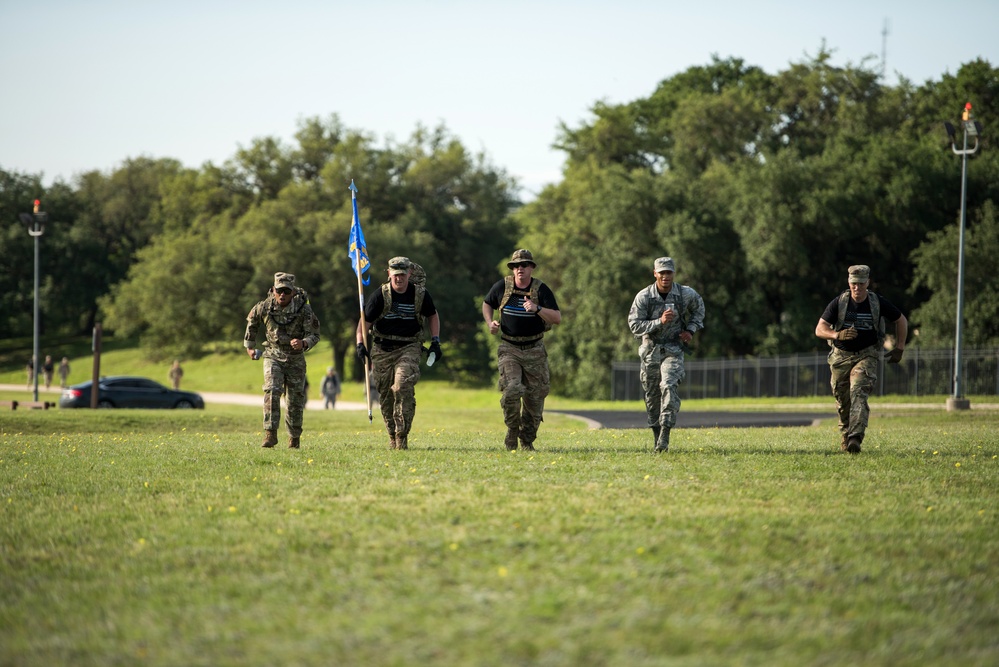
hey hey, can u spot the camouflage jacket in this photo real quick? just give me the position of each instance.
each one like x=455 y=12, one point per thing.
x=648 y=307
x=281 y=326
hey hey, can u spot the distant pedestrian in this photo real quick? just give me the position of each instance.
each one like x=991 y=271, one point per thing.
x=30 y=368
x=48 y=369
x=527 y=308
x=665 y=316
x=854 y=325
x=330 y=388
x=64 y=372
x=175 y=374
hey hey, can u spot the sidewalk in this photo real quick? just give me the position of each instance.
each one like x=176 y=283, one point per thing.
x=52 y=394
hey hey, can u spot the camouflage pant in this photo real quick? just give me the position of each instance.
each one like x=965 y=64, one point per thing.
x=396 y=373
x=281 y=376
x=525 y=383
x=661 y=375
x=853 y=378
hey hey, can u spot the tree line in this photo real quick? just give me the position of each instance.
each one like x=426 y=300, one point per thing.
x=763 y=187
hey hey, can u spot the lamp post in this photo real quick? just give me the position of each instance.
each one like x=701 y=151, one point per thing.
x=971 y=128
x=36 y=227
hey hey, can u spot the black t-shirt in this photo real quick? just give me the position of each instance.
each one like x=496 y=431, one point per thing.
x=858 y=316
x=514 y=320
x=401 y=319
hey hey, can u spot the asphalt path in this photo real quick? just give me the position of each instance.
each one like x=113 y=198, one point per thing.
x=700 y=419
x=593 y=418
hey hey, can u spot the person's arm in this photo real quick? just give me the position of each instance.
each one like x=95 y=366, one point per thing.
x=901 y=332
x=250 y=337
x=487 y=315
x=435 y=325
x=550 y=315
x=825 y=330
x=638 y=320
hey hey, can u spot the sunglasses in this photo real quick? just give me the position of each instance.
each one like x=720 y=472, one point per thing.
x=284 y=291
x=521 y=265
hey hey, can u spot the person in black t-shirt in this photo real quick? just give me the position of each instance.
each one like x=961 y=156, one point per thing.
x=527 y=309
x=394 y=316
x=853 y=323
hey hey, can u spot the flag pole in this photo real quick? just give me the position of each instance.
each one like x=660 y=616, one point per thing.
x=360 y=298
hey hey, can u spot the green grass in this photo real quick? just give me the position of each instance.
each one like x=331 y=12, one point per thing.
x=172 y=538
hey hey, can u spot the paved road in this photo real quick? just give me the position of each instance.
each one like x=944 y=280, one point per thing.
x=694 y=419
x=594 y=418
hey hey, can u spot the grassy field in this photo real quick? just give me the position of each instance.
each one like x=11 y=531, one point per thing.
x=172 y=538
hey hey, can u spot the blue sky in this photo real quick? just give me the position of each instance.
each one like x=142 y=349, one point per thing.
x=88 y=84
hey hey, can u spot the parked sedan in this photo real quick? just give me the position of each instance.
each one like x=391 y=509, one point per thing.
x=129 y=392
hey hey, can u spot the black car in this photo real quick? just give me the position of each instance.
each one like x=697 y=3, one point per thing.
x=129 y=392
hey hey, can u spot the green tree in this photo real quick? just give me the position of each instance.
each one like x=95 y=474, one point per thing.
x=935 y=262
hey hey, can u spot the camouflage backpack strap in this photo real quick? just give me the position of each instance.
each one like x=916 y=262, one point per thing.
x=508 y=288
x=844 y=303
x=536 y=297
x=879 y=323
x=386 y=301
x=683 y=310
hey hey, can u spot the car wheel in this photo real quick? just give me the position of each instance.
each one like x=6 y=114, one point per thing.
x=105 y=403
x=184 y=405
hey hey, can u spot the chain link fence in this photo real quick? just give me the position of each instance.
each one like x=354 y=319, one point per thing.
x=921 y=373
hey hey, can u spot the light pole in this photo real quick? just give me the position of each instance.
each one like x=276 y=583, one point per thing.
x=972 y=128
x=36 y=227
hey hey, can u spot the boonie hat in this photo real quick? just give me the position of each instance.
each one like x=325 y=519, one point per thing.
x=519 y=256
x=859 y=273
x=664 y=264
x=399 y=265
x=282 y=279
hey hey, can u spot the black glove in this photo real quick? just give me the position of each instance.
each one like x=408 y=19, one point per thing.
x=435 y=348
x=362 y=352
x=895 y=356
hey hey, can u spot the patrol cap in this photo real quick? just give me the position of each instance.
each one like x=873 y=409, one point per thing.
x=664 y=264
x=519 y=256
x=859 y=273
x=282 y=279
x=399 y=265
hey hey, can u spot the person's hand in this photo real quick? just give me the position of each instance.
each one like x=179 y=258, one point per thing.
x=895 y=356
x=251 y=353
x=846 y=334
x=362 y=352
x=435 y=348
x=494 y=327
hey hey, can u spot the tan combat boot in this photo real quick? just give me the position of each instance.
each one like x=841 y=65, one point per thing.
x=402 y=442
x=294 y=443
x=270 y=438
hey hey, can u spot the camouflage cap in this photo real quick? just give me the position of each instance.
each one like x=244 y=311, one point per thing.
x=664 y=264
x=282 y=279
x=859 y=273
x=399 y=265
x=519 y=256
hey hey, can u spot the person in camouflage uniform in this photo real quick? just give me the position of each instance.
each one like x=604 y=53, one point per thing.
x=854 y=325
x=665 y=316
x=290 y=328
x=394 y=317
x=527 y=309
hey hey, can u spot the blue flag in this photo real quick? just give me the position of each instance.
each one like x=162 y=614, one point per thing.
x=358 y=249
